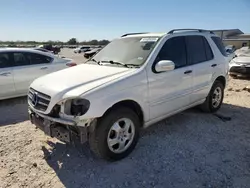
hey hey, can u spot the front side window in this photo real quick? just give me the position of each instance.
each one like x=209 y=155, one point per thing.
x=174 y=49
x=127 y=51
x=4 y=60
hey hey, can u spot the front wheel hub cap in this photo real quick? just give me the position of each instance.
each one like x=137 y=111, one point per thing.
x=121 y=135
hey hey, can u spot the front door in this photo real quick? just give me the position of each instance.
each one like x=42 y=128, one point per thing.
x=170 y=91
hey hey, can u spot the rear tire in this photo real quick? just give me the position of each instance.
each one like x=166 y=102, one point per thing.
x=115 y=135
x=214 y=99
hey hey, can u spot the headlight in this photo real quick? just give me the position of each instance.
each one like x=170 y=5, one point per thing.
x=79 y=107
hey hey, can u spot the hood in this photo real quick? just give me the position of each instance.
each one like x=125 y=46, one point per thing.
x=77 y=80
x=242 y=60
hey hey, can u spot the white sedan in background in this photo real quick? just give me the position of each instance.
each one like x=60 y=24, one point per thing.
x=82 y=49
x=240 y=66
x=19 y=67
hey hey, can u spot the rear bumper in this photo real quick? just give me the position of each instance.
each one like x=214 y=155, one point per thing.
x=62 y=129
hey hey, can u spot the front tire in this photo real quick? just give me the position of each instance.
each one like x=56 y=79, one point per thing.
x=115 y=135
x=214 y=99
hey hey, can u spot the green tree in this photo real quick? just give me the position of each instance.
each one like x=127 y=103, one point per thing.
x=72 y=41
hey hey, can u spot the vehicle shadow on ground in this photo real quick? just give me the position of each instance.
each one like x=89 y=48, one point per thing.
x=190 y=149
x=13 y=111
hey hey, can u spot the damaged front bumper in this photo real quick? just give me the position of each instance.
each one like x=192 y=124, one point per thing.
x=62 y=129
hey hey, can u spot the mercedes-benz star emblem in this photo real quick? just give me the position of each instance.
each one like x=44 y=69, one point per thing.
x=35 y=99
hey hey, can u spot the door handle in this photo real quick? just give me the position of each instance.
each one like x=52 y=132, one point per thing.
x=213 y=65
x=188 y=72
x=43 y=68
x=5 y=74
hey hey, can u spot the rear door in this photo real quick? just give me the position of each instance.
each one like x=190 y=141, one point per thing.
x=7 y=87
x=170 y=91
x=27 y=67
x=200 y=58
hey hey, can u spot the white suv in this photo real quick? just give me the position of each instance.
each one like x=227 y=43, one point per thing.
x=133 y=82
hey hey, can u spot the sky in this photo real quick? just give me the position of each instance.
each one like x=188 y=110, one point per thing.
x=43 y=20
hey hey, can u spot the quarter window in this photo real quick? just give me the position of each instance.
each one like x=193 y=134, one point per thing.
x=174 y=49
x=220 y=45
x=208 y=49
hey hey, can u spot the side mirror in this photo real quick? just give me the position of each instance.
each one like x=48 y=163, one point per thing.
x=164 y=65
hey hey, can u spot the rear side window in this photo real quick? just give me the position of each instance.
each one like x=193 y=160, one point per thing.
x=38 y=58
x=196 y=52
x=220 y=45
x=20 y=59
x=4 y=60
x=208 y=50
x=174 y=49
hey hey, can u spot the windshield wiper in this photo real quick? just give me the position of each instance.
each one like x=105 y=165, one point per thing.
x=113 y=63
x=97 y=62
x=119 y=63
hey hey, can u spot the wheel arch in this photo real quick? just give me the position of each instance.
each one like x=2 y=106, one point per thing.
x=131 y=104
x=221 y=79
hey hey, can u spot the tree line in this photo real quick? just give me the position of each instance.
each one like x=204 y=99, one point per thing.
x=72 y=41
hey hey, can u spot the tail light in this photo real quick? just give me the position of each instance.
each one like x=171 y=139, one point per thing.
x=71 y=64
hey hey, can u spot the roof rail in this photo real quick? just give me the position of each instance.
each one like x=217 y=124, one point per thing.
x=133 y=34
x=199 y=30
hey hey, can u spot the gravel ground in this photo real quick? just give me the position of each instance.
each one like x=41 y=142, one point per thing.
x=191 y=149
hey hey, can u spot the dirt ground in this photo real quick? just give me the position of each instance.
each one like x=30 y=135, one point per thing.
x=191 y=149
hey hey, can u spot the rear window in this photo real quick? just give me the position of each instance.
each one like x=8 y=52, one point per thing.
x=220 y=45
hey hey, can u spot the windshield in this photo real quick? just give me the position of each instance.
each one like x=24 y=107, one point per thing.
x=128 y=51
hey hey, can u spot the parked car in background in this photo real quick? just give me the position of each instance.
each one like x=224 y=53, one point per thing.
x=243 y=50
x=49 y=47
x=43 y=50
x=91 y=53
x=230 y=51
x=20 y=66
x=240 y=66
x=82 y=49
x=132 y=83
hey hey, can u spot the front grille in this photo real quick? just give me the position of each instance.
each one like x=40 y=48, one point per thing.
x=38 y=100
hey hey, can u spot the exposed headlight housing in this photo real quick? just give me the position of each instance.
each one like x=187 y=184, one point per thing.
x=79 y=107
x=76 y=107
